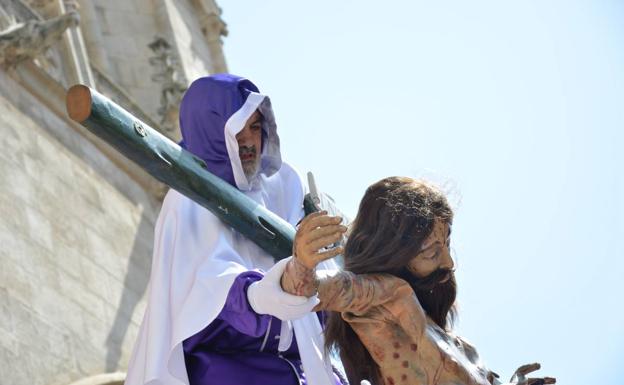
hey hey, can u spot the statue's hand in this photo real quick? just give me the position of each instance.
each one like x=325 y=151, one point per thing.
x=520 y=376
x=316 y=231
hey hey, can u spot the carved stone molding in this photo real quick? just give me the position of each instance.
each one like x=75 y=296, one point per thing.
x=213 y=26
x=28 y=39
x=214 y=29
x=173 y=84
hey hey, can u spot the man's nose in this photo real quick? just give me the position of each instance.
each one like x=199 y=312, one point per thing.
x=447 y=261
x=243 y=136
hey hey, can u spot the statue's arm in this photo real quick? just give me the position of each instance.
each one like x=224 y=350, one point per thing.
x=343 y=291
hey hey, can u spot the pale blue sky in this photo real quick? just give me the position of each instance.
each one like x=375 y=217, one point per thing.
x=515 y=106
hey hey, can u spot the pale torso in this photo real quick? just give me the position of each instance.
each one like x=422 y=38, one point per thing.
x=435 y=357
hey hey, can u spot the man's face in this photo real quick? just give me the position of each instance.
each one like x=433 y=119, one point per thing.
x=250 y=144
x=434 y=253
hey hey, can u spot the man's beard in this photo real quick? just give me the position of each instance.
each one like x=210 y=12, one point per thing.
x=436 y=298
x=250 y=168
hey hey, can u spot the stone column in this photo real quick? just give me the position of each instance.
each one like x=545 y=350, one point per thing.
x=76 y=60
x=93 y=35
x=76 y=51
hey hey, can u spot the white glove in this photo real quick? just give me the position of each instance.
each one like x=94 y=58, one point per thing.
x=267 y=297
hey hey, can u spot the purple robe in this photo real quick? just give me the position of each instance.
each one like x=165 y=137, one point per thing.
x=240 y=346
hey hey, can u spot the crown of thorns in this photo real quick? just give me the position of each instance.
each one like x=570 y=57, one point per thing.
x=422 y=205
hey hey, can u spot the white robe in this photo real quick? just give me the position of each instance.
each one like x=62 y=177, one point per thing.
x=197 y=257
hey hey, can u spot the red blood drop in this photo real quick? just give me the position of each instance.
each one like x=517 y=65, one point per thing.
x=405 y=364
x=395 y=355
x=397 y=345
x=390 y=380
x=413 y=347
x=404 y=377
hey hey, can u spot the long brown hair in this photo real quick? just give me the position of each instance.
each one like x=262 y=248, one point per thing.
x=395 y=216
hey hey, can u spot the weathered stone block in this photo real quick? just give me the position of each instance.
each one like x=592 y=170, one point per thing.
x=40 y=228
x=26 y=327
x=97 y=280
x=46 y=270
x=89 y=360
x=147 y=98
x=122 y=5
x=51 y=153
x=101 y=252
x=144 y=24
x=13 y=246
x=70 y=233
x=50 y=305
x=21 y=254
x=78 y=293
x=67 y=259
x=143 y=73
x=8 y=341
x=17 y=185
x=120 y=46
x=55 y=370
x=19 y=284
x=16 y=368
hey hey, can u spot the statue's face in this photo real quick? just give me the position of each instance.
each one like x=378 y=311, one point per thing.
x=435 y=252
x=250 y=144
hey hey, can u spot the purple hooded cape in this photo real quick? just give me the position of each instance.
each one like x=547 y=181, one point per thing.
x=206 y=107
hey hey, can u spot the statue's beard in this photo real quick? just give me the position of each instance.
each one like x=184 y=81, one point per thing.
x=437 y=298
x=250 y=166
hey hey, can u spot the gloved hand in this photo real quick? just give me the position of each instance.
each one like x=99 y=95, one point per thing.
x=267 y=297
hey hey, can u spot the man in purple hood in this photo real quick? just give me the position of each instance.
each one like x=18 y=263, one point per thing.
x=216 y=313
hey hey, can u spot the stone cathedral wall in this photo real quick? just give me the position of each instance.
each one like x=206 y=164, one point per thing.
x=75 y=245
x=77 y=219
